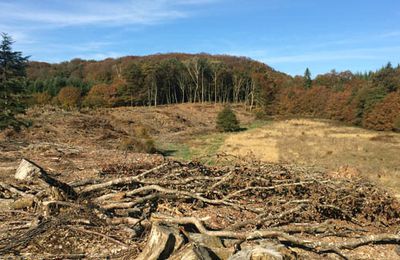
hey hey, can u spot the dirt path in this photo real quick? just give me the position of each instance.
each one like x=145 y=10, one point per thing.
x=346 y=150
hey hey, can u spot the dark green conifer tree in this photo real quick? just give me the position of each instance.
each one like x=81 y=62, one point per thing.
x=12 y=75
x=227 y=121
x=307 y=79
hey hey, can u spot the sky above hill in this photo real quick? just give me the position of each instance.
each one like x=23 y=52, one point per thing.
x=288 y=35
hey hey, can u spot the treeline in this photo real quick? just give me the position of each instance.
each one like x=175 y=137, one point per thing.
x=151 y=80
x=370 y=99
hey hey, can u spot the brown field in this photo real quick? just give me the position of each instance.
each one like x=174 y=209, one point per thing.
x=342 y=149
x=79 y=143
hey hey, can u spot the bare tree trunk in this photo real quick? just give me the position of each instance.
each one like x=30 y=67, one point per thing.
x=202 y=86
x=155 y=95
x=215 y=86
x=194 y=73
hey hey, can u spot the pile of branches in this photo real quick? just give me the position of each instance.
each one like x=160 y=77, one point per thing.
x=189 y=211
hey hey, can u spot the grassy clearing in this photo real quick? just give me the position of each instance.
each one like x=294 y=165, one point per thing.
x=203 y=147
x=323 y=143
x=304 y=142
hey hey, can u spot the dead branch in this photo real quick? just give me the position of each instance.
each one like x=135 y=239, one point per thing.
x=98 y=234
x=236 y=193
x=180 y=182
x=366 y=240
x=186 y=194
x=120 y=181
x=263 y=218
x=316 y=246
x=295 y=204
x=14 y=190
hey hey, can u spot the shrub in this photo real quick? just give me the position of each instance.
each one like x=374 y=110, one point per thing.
x=69 y=97
x=227 y=121
x=43 y=98
x=140 y=142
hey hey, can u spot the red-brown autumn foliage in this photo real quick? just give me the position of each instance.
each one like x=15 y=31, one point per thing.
x=287 y=101
x=69 y=97
x=385 y=115
x=100 y=96
x=338 y=106
x=313 y=102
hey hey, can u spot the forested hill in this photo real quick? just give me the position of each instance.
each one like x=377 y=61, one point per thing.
x=158 y=79
x=370 y=99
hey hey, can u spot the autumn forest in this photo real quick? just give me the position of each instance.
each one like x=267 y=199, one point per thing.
x=368 y=99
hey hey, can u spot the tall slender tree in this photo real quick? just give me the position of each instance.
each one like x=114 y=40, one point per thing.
x=307 y=78
x=12 y=74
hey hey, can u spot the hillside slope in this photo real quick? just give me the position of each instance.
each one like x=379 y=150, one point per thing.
x=78 y=142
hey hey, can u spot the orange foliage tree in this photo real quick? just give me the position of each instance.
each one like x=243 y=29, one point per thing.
x=385 y=115
x=101 y=95
x=69 y=97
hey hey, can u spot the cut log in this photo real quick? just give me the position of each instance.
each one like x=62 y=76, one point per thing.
x=161 y=243
x=213 y=245
x=257 y=253
x=22 y=203
x=192 y=252
x=28 y=170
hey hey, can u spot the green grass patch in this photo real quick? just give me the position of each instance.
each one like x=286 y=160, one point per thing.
x=203 y=148
x=256 y=124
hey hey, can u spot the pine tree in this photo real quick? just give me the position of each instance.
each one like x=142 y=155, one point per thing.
x=307 y=79
x=227 y=121
x=12 y=74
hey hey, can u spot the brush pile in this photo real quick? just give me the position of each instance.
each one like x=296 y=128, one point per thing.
x=180 y=210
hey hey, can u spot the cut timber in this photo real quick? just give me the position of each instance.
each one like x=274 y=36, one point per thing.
x=213 y=245
x=257 y=253
x=193 y=252
x=162 y=242
x=22 y=203
x=28 y=170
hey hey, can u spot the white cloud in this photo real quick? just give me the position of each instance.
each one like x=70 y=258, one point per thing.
x=30 y=21
x=95 y=12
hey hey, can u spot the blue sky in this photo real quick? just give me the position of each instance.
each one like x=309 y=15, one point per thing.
x=288 y=35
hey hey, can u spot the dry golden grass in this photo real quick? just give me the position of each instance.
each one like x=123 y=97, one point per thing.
x=253 y=143
x=323 y=143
